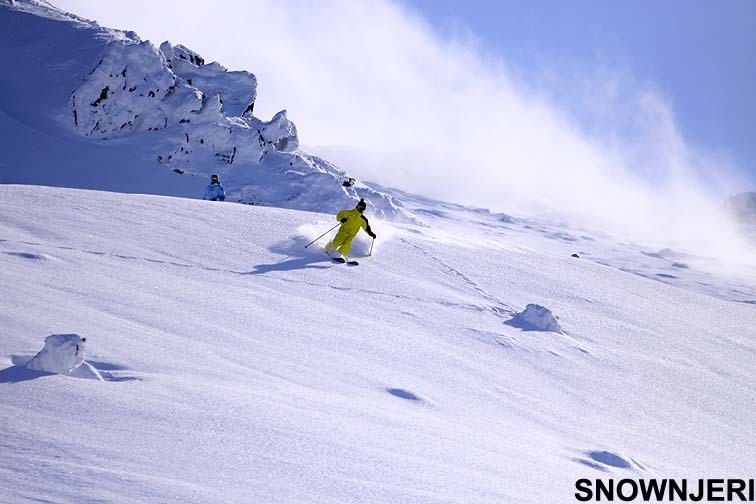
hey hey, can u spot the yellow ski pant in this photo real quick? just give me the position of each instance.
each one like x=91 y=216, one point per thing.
x=341 y=242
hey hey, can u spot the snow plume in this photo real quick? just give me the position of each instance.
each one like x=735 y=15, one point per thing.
x=361 y=246
x=390 y=99
x=385 y=232
x=307 y=233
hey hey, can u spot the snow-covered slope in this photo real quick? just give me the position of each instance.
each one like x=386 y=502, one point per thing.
x=153 y=117
x=239 y=367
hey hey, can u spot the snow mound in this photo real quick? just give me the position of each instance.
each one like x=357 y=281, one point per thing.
x=63 y=353
x=537 y=317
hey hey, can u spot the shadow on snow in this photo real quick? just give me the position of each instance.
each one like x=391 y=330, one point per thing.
x=298 y=257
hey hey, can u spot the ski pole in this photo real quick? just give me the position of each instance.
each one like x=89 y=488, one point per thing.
x=371 y=247
x=321 y=236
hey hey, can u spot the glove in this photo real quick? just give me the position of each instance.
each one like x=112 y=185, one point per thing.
x=373 y=235
x=343 y=220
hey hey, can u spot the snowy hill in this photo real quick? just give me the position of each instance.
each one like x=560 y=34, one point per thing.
x=239 y=367
x=149 y=118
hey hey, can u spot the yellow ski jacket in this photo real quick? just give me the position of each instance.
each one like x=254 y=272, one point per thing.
x=355 y=221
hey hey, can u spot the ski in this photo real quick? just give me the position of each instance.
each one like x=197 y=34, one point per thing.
x=341 y=260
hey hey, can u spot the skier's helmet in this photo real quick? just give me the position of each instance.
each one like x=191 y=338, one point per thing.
x=214 y=178
x=361 y=206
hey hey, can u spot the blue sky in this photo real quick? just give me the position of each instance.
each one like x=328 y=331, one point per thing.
x=699 y=55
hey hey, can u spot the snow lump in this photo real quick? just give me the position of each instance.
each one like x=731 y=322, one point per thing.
x=63 y=353
x=538 y=317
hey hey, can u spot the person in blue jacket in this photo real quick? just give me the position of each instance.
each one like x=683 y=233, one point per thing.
x=214 y=191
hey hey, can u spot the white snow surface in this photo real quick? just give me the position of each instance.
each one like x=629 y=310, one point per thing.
x=239 y=367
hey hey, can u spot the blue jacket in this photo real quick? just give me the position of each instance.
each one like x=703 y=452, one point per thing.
x=215 y=192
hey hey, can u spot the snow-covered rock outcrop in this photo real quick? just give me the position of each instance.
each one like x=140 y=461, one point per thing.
x=180 y=53
x=134 y=88
x=237 y=90
x=306 y=182
x=63 y=353
x=199 y=117
x=278 y=132
x=130 y=90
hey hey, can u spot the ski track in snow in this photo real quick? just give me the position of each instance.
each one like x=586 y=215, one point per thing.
x=497 y=310
x=498 y=307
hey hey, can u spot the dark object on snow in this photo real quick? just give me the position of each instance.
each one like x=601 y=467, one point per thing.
x=575 y=256
x=250 y=108
x=403 y=394
x=179 y=171
x=196 y=59
x=341 y=260
x=348 y=182
x=103 y=96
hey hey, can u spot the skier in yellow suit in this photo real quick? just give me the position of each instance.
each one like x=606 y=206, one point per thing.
x=351 y=222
